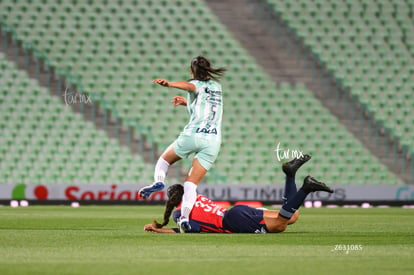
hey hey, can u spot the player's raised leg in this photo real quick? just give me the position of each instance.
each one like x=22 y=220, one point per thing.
x=310 y=184
x=161 y=170
x=290 y=168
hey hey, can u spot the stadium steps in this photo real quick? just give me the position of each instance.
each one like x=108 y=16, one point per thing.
x=285 y=58
x=262 y=117
x=43 y=141
x=91 y=112
x=255 y=37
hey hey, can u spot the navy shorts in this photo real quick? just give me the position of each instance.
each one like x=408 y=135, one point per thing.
x=244 y=219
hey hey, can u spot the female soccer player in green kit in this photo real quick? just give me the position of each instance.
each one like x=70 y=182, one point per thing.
x=201 y=136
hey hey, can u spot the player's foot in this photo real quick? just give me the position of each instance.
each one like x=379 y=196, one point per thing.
x=184 y=225
x=311 y=185
x=146 y=191
x=292 y=166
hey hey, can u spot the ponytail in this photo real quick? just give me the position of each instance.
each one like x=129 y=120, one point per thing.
x=175 y=195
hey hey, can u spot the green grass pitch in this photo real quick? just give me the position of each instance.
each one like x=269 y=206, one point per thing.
x=111 y=240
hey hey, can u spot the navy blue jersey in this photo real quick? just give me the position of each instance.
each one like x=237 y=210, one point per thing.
x=244 y=219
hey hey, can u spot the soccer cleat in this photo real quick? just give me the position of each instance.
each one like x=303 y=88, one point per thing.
x=292 y=166
x=146 y=191
x=310 y=184
x=184 y=225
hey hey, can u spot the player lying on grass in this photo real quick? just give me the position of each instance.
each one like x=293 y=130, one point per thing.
x=206 y=216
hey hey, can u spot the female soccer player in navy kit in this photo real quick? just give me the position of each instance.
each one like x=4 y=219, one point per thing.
x=202 y=135
x=206 y=216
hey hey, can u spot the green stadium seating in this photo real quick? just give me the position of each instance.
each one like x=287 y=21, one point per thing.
x=367 y=45
x=116 y=50
x=44 y=141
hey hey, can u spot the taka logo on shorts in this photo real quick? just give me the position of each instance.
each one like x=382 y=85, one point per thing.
x=207 y=131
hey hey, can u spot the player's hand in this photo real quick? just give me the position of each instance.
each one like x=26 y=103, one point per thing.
x=150 y=228
x=179 y=100
x=162 y=82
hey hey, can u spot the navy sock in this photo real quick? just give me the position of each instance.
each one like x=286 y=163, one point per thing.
x=293 y=204
x=290 y=189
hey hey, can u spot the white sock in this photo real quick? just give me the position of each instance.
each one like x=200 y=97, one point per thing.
x=189 y=198
x=161 y=169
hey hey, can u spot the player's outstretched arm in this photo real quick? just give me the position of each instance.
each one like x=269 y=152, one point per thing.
x=179 y=100
x=182 y=85
x=151 y=228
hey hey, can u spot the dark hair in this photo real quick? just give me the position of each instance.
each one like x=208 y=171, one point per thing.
x=175 y=195
x=202 y=70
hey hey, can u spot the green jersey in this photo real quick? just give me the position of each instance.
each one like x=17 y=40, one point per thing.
x=205 y=106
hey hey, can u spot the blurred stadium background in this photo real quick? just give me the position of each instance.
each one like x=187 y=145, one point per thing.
x=330 y=78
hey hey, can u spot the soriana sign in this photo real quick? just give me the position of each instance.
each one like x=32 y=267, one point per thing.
x=216 y=192
x=75 y=192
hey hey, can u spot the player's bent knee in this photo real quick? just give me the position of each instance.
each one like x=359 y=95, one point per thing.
x=278 y=228
x=281 y=228
x=294 y=218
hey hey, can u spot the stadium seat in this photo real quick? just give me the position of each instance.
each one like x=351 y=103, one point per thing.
x=374 y=39
x=115 y=52
x=42 y=140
